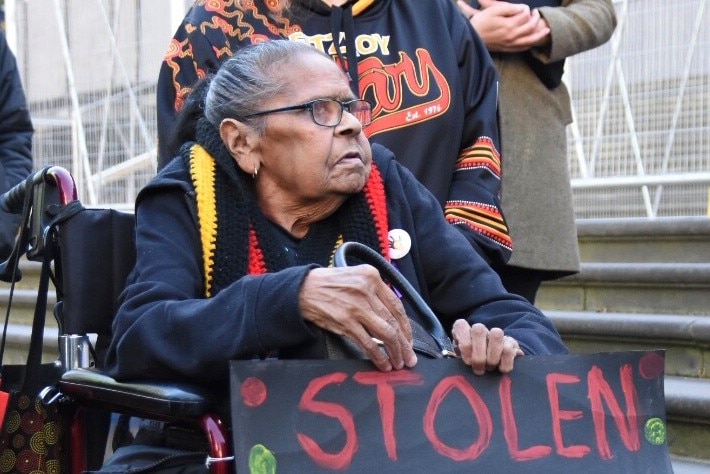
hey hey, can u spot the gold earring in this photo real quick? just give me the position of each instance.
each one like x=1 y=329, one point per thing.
x=256 y=172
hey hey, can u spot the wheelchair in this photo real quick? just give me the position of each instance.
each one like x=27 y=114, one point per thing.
x=91 y=252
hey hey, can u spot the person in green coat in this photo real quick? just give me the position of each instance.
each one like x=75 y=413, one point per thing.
x=529 y=41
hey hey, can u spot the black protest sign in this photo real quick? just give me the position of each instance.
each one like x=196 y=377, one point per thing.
x=578 y=413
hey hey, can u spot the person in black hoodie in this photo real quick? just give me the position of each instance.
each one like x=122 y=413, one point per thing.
x=428 y=76
x=15 y=140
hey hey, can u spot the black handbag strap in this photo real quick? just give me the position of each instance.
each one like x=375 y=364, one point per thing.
x=34 y=357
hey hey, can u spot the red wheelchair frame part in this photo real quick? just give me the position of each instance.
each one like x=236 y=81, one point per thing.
x=219 y=447
x=210 y=425
x=64 y=182
x=77 y=445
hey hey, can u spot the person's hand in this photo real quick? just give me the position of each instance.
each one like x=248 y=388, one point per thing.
x=507 y=27
x=356 y=303
x=483 y=349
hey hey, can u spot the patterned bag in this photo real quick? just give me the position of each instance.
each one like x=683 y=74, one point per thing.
x=32 y=433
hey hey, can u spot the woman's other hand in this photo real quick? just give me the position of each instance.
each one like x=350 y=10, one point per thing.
x=483 y=349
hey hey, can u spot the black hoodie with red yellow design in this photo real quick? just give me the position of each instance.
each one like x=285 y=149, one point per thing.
x=429 y=78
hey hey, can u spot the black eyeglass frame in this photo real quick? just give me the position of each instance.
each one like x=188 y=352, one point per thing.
x=309 y=106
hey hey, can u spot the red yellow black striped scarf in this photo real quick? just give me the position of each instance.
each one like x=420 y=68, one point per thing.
x=237 y=239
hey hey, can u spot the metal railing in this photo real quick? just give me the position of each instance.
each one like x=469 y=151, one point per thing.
x=640 y=143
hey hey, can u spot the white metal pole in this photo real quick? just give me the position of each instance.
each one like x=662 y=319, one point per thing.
x=178 y=8
x=76 y=111
x=11 y=25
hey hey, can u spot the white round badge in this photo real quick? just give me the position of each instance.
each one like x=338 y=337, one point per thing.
x=400 y=243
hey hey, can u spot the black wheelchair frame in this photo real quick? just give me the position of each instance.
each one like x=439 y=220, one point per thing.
x=91 y=252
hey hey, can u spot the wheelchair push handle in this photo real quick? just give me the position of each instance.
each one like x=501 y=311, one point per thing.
x=46 y=192
x=12 y=200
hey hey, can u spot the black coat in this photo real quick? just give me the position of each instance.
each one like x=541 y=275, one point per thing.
x=15 y=139
x=166 y=328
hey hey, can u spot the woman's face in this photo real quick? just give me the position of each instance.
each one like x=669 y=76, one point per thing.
x=301 y=162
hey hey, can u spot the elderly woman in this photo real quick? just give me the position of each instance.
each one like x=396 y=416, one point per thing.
x=235 y=239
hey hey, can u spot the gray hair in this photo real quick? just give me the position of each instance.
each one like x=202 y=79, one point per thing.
x=247 y=80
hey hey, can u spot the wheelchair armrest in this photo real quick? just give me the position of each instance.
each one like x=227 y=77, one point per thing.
x=167 y=401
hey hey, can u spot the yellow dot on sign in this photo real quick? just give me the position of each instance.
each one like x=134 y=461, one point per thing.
x=655 y=431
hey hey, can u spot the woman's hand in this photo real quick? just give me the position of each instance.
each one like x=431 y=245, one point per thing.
x=484 y=349
x=356 y=303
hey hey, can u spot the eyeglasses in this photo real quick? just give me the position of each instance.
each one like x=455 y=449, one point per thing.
x=328 y=112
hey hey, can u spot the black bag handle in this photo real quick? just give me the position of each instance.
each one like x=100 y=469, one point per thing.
x=389 y=272
x=34 y=357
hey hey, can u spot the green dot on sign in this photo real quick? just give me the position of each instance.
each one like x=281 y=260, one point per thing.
x=261 y=460
x=655 y=431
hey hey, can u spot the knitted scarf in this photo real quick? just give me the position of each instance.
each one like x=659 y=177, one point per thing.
x=238 y=240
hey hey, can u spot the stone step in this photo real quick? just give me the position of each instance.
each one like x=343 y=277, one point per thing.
x=688 y=418
x=30 y=276
x=686 y=465
x=23 y=305
x=25 y=295
x=686 y=339
x=18 y=342
x=656 y=288
x=669 y=240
